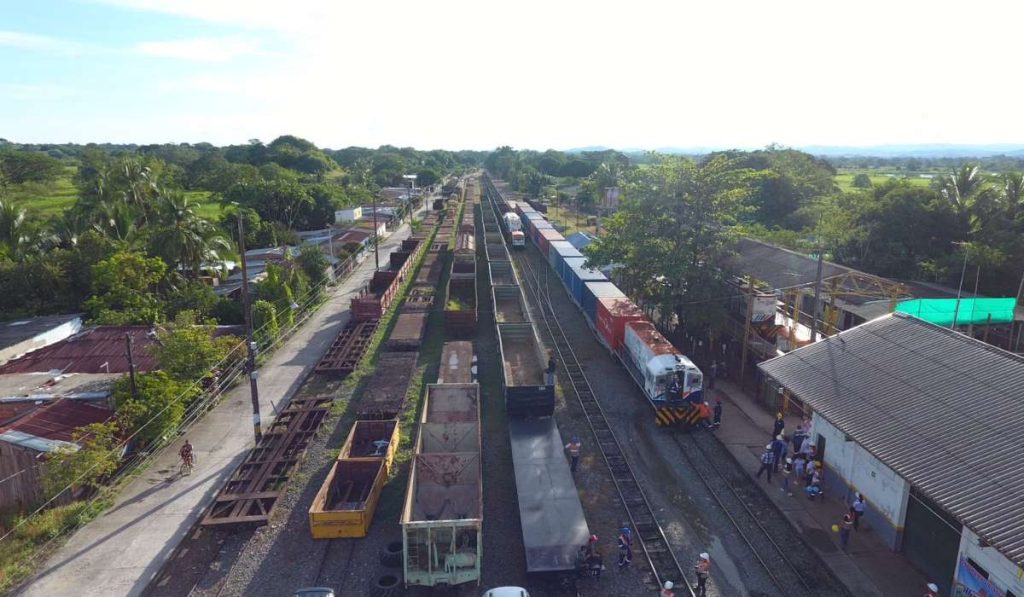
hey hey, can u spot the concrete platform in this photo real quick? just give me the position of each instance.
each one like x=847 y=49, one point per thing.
x=867 y=567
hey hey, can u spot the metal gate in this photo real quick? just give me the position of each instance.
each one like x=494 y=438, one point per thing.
x=931 y=540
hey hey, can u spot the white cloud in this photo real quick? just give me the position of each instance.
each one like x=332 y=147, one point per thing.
x=201 y=49
x=32 y=41
x=21 y=92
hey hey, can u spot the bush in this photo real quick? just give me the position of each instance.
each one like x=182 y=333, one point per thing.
x=159 y=408
x=264 y=323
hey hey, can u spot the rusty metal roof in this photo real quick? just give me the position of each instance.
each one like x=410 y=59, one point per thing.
x=54 y=422
x=943 y=410
x=95 y=350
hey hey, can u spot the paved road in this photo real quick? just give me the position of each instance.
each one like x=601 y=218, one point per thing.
x=120 y=552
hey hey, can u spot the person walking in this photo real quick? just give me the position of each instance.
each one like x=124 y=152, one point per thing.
x=787 y=470
x=778 y=425
x=778 y=451
x=809 y=472
x=713 y=374
x=549 y=372
x=844 y=531
x=574 y=452
x=932 y=590
x=859 y=507
x=703 y=569
x=666 y=590
x=766 y=463
x=625 y=547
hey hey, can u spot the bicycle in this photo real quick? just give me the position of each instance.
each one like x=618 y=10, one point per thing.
x=186 y=465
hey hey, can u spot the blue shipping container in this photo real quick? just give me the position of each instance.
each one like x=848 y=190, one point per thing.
x=560 y=251
x=536 y=226
x=578 y=276
x=595 y=290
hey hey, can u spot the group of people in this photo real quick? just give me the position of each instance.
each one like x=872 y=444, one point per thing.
x=803 y=464
x=591 y=562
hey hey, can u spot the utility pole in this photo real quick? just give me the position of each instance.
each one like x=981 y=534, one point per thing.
x=129 y=347
x=960 y=287
x=970 y=325
x=250 y=342
x=817 y=296
x=376 y=249
x=746 y=331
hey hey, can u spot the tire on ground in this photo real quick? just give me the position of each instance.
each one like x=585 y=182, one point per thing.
x=386 y=585
x=391 y=554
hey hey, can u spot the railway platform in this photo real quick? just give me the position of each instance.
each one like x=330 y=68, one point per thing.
x=868 y=567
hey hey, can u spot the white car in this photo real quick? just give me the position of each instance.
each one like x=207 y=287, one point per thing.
x=507 y=592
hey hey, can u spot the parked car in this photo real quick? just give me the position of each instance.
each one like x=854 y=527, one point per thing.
x=507 y=592
x=315 y=592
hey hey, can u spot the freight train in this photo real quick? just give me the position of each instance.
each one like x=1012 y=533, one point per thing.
x=669 y=380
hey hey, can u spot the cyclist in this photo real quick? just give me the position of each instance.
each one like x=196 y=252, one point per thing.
x=186 y=456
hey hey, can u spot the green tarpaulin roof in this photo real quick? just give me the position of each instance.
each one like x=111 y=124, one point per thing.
x=972 y=310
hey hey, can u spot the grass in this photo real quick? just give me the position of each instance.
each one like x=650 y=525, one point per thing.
x=29 y=545
x=845 y=180
x=52 y=199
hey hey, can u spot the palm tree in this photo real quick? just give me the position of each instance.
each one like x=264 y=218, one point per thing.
x=115 y=219
x=138 y=186
x=182 y=238
x=1013 y=194
x=960 y=186
x=15 y=233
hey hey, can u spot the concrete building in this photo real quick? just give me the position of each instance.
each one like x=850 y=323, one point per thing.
x=350 y=214
x=927 y=424
x=25 y=335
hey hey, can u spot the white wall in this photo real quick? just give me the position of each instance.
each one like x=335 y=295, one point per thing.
x=886 y=492
x=1003 y=573
x=348 y=215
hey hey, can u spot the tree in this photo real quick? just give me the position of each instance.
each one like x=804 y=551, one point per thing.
x=96 y=458
x=861 y=181
x=183 y=239
x=192 y=295
x=275 y=290
x=314 y=264
x=124 y=290
x=157 y=411
x=275 y=200
x=188 y=351
x=427 y=177
x=18 y=167
x=264 y=323
x=959 y=188
x=15 y=231
x=672 y=232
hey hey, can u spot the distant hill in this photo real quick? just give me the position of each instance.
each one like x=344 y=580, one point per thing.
x=883 y=151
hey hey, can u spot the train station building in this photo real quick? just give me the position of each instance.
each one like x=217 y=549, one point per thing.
x=926 y=423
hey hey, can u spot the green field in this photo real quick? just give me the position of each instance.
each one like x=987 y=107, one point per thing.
x=52 y=199
x=845 y=179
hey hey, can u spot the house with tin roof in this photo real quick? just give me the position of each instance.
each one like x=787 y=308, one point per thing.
x=926 y=423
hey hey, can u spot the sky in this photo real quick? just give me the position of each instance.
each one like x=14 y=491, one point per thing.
x=530 y=73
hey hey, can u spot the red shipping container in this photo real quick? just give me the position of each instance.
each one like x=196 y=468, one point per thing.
x=546 y=236
x=612 y=316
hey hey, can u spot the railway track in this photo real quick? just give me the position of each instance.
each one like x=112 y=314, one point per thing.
x=653 y=543
x=792 y=566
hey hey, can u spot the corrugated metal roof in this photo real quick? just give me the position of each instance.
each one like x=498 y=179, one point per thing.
x=943 y=410
x=96 y=350
x=53 y=423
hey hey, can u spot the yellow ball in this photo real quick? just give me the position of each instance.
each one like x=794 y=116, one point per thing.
x=835 y=528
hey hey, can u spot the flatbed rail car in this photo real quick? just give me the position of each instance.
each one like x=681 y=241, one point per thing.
x=458 y=363
x=386 y=390
x=550 y=512
x=527 y=393
x=442 y=519
x=345 y=505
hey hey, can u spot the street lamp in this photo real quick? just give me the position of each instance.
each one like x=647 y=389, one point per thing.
x=959 y=289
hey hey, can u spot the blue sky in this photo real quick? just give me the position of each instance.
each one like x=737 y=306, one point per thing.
x=535 y=73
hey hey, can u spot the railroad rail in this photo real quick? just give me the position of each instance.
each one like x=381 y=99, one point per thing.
x=653 y=543
x=786 y=565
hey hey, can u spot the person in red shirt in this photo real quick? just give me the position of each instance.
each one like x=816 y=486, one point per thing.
x=667 y=590
x=933 y=590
